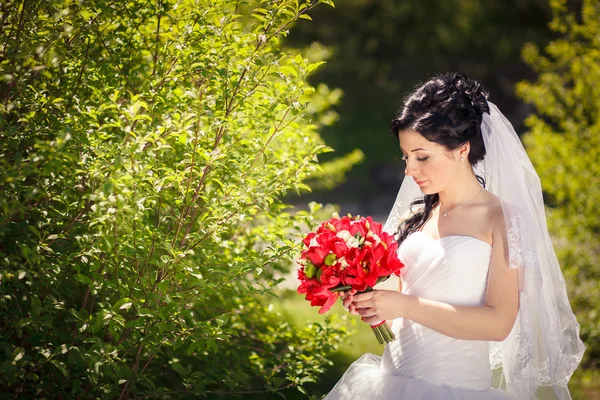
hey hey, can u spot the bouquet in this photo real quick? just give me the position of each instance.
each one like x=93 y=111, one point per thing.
x=347 y=253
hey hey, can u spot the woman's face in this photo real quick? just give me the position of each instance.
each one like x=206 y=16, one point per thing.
x=430 y=164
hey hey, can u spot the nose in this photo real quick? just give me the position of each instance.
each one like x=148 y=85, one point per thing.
x=410 y=169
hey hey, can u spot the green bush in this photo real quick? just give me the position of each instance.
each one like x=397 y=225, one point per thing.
x=564 y=145
x=145 y=147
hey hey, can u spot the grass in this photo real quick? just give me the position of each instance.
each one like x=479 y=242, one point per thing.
x=298 y=311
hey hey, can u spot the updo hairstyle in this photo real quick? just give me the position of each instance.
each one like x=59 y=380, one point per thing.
x=448 y=110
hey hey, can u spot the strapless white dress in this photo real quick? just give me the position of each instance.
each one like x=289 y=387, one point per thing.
x=423 y=364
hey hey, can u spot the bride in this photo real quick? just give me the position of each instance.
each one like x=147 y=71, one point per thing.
x=481 y=311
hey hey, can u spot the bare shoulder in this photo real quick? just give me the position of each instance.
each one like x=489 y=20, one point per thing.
x=495 y=216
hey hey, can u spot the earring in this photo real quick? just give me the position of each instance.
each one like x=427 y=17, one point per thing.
x=462 y=159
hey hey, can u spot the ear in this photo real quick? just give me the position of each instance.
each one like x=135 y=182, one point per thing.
x=463 y=151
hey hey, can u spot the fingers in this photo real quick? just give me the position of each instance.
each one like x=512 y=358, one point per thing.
x=347 y=302
x=365 y=312
x=348 y=297
x=365 y=296
x=365 y=300
x=350 y=306
x=362 y=307
x=371 y=320
x=362 y=303
x=345 y=295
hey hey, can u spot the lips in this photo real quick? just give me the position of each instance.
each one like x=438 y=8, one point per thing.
x=420 y=183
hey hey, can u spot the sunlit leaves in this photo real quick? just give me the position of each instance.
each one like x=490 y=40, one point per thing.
x=145 y=152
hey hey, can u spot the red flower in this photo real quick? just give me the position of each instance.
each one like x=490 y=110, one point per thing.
x=391 y=264
x=332 y=243
x=375 y=227
x=301 y=275
x=328 y=276
x=315 y=255
x=358 y=227
x=308 y=239
x=341 y=224
x=345 y=251
x=318 y=295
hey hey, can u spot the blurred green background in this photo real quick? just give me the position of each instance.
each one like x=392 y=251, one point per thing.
x=378 y=50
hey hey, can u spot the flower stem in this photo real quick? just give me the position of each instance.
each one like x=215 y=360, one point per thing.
x=384 y=334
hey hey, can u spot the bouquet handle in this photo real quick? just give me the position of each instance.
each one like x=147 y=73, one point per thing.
x=382 y=332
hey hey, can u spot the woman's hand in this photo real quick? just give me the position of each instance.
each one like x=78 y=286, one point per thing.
x=379 y=305
x=347 y=299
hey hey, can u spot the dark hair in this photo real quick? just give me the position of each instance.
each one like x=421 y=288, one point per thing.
x=448 y=110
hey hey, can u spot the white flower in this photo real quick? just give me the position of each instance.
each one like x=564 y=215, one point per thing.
x=350 y=240
x=376 y=238
x=344 y=235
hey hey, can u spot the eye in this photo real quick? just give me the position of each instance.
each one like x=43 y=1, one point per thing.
x=405 y=157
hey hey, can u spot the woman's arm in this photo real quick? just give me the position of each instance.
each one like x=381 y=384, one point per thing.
x=491 y=321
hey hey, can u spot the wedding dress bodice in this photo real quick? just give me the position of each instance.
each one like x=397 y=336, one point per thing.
x=422 y=364
x=452 y=269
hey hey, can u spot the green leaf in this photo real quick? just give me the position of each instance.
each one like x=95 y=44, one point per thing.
x=191 y=348
x=309 y=270
x=179 y=369
x=84 y=279
x=330 y=259
x=61 y=367
x=319 y=273
x=36 y=305
x=145 y=312
x=134 y=323
x=123 y=304
x=313 y=66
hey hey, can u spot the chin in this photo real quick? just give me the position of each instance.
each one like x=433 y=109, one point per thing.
x=428 y=191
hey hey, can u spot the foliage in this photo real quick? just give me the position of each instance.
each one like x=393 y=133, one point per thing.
x=380 y=49
x=564 y=144
x=145 y=146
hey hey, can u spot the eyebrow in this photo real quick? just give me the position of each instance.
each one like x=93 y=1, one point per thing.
x=413 y=150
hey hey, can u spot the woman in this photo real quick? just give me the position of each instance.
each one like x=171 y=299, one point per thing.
x=482 y=311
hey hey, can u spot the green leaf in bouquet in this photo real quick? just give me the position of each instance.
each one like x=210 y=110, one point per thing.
x=310 y=270
x=319 y=273
x=342 y=288
x=330 y=259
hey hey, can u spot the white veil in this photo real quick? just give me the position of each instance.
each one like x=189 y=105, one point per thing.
x=543 y=349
